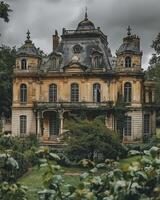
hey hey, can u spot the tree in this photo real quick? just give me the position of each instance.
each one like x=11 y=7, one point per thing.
x=153 y=71
x=92 y=140
x=4 y=11
x=7 y=60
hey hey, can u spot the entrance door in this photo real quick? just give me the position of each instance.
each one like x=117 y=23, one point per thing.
x=53 y=125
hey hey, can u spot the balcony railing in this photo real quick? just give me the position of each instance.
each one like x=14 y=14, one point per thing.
x=73 y=105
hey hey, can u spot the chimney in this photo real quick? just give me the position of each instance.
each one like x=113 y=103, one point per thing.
x=55 y=40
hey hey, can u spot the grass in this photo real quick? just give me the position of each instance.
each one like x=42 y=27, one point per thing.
x=33 y=178
x=34 y=181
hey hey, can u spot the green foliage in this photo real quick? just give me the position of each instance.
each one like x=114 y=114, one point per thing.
x=7 y=60
x=23 y=151
x=119 y=113
x=91 y=140
x=12 y=191
x=4 y=11
x=138 y=181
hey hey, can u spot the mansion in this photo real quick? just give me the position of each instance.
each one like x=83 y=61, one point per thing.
x=81 y=75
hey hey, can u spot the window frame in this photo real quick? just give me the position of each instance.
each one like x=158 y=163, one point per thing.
x=74 y=92
x=53 y=93
x=128 y=126
x=23 y=64
x=146 y=124
x=128 y=62
x=23 y=125
x=127 y=92
x=23 y=93
x=96 y=99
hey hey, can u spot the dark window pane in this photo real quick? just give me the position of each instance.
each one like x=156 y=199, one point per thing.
x=96 y=93
x=146 y=124
x=23 y=64
x=127 y=92
x=74 y=92
x=53 y=93
x=23 y=124
x=128 y=126
x=23 y=93
x=128 y=61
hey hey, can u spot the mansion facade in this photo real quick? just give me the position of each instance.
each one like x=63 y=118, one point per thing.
x=81 y=75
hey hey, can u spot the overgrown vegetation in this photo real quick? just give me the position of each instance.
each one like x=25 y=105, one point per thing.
x=92 y=140
x=7 y=61
x=138 y=181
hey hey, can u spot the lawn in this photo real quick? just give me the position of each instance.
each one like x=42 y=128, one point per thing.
x=34 y=181
x=33 y=178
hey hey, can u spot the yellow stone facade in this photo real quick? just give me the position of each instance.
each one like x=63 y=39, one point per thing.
x=34 y=113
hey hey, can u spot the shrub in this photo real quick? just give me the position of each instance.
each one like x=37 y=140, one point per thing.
x=92 y=140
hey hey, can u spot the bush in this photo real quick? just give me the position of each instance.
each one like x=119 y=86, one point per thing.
x=92 y=140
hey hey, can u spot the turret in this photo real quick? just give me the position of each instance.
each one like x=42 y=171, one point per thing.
x=129 y=55
x=28 y=56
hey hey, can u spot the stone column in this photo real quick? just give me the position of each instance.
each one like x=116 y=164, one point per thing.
x=60 y=112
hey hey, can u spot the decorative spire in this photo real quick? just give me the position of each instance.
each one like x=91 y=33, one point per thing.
x=86 y=15
x=28 y=35
x=129 y=31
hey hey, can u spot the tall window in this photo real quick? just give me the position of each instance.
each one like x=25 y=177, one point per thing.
x=23 y=93
x=23 y=124
x=54 y=63
x=127 y=92
x=96 y=92
x=96 y=61
x=74 y=92
x=146 y=124
x=128 y=61
x=23 y=64
x=128 y=126
x=53 y=93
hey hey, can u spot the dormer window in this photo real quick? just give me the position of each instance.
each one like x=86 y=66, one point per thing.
x=128 y=62
x=23 y=64
x=97 y=61
x=54 y=63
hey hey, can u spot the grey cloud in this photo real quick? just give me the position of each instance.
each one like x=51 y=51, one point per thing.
x=42 y=17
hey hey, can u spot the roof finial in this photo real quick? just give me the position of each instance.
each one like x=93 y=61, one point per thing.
x=86 y=15
x=129 y=31
x=28 y=35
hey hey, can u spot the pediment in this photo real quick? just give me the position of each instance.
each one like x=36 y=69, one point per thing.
x=74 y=67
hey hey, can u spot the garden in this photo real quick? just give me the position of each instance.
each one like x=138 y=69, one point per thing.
x=93 y=166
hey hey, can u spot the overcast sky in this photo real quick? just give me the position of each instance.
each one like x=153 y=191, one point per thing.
x=42 y=17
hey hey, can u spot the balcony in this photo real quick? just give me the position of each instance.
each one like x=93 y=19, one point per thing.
x=74 y=105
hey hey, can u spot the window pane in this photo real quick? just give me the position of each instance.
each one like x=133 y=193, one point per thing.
x=128 y=62
x=23 y=93
x=23 y=64
x=128 y=126
x=146 y=124
x=74 y=92
x=53 y=93
x=127 y=92
x=96 y=93
x=23 y=124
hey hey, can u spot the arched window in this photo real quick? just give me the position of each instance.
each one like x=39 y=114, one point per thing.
x=23 y=64
x=53 y=93
x=23 y=125
x=127 y=92
x=23 y=93
x=74 y=92
x=96 y=62
x=96 y=92
x=128 y=62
